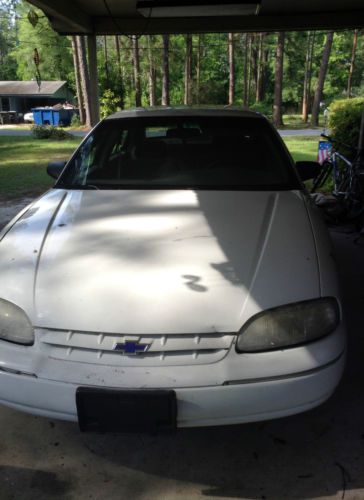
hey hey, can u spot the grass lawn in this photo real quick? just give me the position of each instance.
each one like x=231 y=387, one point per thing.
x=302 y=147
x=23 y=161
x=295 y=122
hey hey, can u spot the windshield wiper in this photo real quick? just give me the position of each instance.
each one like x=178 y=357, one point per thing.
x=79 y=186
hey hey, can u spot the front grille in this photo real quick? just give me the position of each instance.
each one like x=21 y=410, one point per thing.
x=171 y=349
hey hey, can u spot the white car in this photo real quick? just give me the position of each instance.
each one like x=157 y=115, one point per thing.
x=28 y=117
x=176 y=275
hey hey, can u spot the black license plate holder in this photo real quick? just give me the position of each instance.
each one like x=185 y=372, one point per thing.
x=126 y=411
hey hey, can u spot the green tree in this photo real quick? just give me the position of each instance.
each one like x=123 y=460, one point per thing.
x=8 y=40
x=54 y=50
x=161 y=65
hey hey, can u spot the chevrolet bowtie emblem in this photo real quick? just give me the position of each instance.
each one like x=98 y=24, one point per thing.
x=131 y=347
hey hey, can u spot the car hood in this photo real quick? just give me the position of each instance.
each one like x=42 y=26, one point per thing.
x=158 y=261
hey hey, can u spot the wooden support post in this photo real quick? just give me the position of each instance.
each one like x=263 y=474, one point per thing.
x=94 y=88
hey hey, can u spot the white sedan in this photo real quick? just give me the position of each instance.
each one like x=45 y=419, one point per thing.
x=176 y=275
x=28 y=117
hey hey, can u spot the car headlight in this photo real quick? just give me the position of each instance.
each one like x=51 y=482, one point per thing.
x=289 y=325
x=14 y=324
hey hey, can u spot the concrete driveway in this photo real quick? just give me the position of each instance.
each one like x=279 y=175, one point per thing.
x=319 y=454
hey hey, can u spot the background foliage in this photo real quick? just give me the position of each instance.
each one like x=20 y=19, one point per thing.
x=345 y=118
x=18 y=38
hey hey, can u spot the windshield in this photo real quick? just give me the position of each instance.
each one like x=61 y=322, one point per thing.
x=180 y=152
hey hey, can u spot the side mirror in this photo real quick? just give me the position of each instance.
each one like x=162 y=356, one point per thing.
x=54 y=168
x=308 y=169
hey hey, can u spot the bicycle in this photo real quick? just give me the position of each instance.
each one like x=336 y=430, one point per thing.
x=347 y=179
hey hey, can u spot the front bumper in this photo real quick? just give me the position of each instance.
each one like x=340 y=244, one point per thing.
x=231 y=403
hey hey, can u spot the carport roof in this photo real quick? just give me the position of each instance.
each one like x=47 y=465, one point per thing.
x=108 y=17
x=30 y=88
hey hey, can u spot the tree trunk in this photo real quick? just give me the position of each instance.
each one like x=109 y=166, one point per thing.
x=260 y=67
x=165 y=71
x=136 y=67
x=118 y=56
x=231 y=69
x=309 y=92
x=263 y=84
x=308 y=74
x=305 y=81
x=76 y=64
x=198 y=69
x=84 y=77
x=188 y=71
x=352 y=64
x=93 y=79
x=106 y=59
x=250 y=50
x=321 y=79
x=120 y=71
x=152 y=73
x=254 y=59
x=246 y=52
x=278 y=82
x=129 y=66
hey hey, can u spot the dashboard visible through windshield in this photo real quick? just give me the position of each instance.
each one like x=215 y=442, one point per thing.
x=183 y=152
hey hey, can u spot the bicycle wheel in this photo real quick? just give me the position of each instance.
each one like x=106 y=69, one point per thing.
x=342 y=176
x=354 y=199
x=324 y=174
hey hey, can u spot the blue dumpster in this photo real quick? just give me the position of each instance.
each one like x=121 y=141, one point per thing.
x=55 y=117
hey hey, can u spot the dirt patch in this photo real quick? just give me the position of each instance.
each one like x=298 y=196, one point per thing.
x=9 y=208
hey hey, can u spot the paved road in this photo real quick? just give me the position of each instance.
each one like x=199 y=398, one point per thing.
x=284 y=133
x=305 y=131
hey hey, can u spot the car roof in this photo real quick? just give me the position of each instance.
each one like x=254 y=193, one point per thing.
x=184 y=111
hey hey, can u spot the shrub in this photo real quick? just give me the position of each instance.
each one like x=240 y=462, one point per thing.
x=60 y=134
x=109 y=103
x=75 y=121
x=262 y=107
x=49 y=132
x=345 y=118
x=41 y=131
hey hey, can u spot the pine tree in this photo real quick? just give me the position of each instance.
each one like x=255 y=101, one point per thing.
x=85 y=78
x=278 y=82
x=136 y=67
x=308 y=75
x=321 y=79
x=152 y=73
x=188 y=72
x=119 y=72
x=76 y=64
x=165 y=71
x=231 y=44
x=352 y=63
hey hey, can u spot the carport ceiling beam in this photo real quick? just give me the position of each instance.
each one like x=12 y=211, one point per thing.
x=64 y=14
x=112 y=26
x=111 y=17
